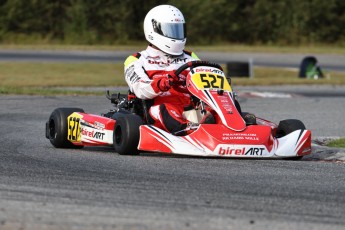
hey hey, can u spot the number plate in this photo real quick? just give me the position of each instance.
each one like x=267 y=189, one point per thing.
x=210 y=81
x=73 y=125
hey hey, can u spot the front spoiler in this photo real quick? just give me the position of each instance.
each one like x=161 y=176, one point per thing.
x=217 y=140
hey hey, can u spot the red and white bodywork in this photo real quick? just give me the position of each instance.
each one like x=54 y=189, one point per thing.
x=90 y=130
x=218 y=140
x=230 y=137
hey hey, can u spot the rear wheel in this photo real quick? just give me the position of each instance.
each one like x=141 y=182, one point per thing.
x=56 y=128
x=126 y=133
x=286 y=127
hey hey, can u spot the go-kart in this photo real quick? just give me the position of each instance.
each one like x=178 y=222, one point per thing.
x=126 y=127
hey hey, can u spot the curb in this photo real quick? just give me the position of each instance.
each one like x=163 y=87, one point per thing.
x=324 y=153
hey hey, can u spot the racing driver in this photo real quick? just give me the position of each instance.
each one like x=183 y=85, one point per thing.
x=149 y=73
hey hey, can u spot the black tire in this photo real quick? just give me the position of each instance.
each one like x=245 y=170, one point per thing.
x=238 y=106
x=126 y=133
x=249 y=118
x=56 y=128
x=286 y=127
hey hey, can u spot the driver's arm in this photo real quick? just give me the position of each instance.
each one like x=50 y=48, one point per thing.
x=138 y=81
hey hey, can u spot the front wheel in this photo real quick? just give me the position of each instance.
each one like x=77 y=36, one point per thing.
x=56 y=128
x=286 y=127
x=127 y=134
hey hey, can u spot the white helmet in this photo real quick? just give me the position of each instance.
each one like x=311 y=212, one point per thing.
x=164 y=27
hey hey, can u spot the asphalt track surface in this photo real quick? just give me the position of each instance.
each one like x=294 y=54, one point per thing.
x=94 y=188
x=326 y=62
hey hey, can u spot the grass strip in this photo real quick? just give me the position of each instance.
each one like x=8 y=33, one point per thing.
x=46 y=91
x=51 y=78
x=312 y=48
x=19 y=74
x=338 y=143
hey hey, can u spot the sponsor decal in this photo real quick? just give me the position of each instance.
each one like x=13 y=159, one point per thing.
x=225 y=100
x=146 y=82
x=217 y=71
x=175 y=113
x=99 y=125
x=178 y=60
x=131 y=75
x=153 y=57
x=240 y=136
x=129 y=71
x=165 y=94
x=168 y=62
x=252 y=151
x=92 y=134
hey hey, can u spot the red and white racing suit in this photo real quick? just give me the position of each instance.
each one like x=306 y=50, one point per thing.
x=141 y=70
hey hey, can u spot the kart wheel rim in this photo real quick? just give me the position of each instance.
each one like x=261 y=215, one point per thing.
x=52 y=130
x=118 y=135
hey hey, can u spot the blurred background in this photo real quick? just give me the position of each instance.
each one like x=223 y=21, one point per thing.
x=107 y=22
x=45 y=42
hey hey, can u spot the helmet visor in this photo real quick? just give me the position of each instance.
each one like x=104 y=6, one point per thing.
x=170 y=30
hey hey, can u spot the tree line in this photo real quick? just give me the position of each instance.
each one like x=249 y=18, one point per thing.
x=284 y=22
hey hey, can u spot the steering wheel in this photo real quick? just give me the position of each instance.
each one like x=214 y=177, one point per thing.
x=193 y=64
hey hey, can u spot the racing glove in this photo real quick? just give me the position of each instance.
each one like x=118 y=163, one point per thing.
x=177 y=80
x=161 y=84
x=173 y=78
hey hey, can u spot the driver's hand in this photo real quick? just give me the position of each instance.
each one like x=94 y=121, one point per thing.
x=177 y=80
x=173 y=78
x=182 y=79
x=164 y=84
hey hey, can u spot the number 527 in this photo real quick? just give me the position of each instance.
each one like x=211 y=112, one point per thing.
x=212 y=81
